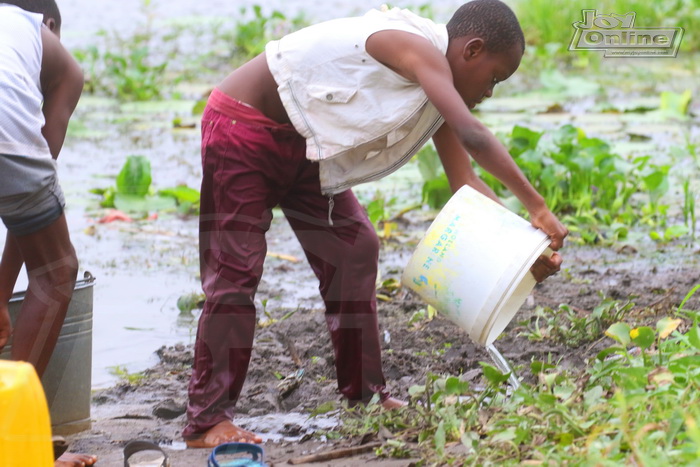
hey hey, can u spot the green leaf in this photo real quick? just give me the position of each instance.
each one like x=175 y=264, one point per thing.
x=139 y=204
x=619 y=332
x=643 y=336
x=493 y=375
x=538 y=366
x=593 y=397
x=440 y=437
x=694 y=336
x=454 y=386
x=135 y=177
x=676 y=104
x=437 y=192
x=182 y=193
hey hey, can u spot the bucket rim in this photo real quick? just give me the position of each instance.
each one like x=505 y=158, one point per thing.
x=513 y=284
x=87 y=281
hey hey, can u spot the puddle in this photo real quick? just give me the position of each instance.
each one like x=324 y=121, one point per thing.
x=286 y=426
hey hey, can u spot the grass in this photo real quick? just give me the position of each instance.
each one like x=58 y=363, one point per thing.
x=635 y=403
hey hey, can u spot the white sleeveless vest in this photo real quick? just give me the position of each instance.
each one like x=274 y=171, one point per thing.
x=361 y=120
x=21 y=117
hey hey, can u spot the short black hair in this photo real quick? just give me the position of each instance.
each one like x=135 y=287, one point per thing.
x=48 y=8
x=491 y=20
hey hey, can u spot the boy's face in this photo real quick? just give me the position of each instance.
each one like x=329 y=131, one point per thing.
x=476 y=71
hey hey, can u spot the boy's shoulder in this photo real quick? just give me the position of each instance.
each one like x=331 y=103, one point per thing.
x=14 y=19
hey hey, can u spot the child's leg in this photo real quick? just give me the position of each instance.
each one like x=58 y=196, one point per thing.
x=31 y=205
x=52 y=268
x=344 y=257
x=243 y=168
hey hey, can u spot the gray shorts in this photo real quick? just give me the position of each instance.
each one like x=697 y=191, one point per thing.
x=30 y=196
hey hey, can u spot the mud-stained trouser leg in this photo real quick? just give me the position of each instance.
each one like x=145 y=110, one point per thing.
x=344 y=257
x=245 y=172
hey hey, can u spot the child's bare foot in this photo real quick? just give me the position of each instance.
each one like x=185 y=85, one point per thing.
x=390 y=403
x=223 y=432
x=75 y=460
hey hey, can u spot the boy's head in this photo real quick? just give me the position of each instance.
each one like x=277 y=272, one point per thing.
x=486 y=44
x=48 y=8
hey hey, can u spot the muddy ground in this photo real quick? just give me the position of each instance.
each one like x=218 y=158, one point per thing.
x=654 y=276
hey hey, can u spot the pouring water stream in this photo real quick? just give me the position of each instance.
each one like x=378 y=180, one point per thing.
x=503 y=365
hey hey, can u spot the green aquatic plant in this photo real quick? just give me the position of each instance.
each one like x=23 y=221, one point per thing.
x=593 y=189
x=251 y=35
x=572 y=326
x=633 y=403
x=133 y=193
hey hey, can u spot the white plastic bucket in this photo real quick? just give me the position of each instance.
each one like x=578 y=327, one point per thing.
x=473 y=264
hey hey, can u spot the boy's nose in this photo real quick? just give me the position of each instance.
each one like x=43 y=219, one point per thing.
x=489 y=92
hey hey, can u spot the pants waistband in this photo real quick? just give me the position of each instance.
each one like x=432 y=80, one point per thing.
x=233 y=108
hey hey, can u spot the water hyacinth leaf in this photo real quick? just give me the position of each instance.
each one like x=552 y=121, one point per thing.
x=142 y=204
x=523 y=139
x=135 y=177
x=666 y=326
x=619 y=332
x=182 y=193
x=493 y=375
x=437 y=192
x=643 y=336
x=694 y=336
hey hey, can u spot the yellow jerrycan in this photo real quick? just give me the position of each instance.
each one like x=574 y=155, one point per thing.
x=25 y=428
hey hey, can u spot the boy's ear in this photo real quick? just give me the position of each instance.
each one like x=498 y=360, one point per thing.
x=51 y=24
x=473 y=48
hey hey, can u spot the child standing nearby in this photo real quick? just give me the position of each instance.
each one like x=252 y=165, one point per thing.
x=40 y=84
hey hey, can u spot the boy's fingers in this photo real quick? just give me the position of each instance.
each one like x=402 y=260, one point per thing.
x=546 y=266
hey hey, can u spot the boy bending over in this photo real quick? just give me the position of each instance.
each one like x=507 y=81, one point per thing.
x=325 y=108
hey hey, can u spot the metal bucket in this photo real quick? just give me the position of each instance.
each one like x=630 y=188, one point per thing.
x=67 y=379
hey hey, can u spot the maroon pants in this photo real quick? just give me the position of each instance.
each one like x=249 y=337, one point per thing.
x=250 y=165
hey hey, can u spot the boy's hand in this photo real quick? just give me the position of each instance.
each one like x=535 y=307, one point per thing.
x=5 y=325
x=546 y=266
x=544 y=220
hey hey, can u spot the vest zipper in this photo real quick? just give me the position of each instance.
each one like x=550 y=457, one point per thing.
x=331 y=205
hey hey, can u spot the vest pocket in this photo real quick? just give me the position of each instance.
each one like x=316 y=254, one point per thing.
x=332 y=95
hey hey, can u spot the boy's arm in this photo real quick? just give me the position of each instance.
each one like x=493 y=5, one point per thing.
x=457 y=163
x=61 y=85
x=418 y=60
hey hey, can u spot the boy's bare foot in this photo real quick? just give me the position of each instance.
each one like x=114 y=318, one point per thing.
x=223 y=432
x=75 y=460
x=390 y=403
